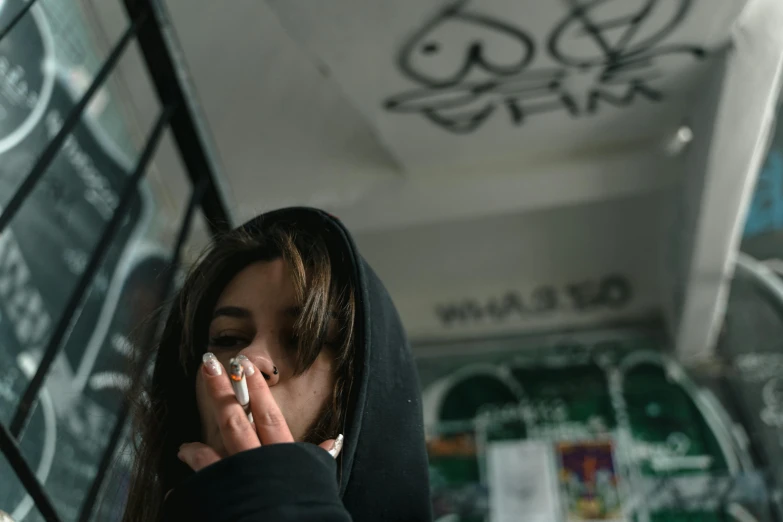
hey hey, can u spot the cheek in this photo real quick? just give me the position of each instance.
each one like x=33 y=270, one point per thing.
x=320 y=382
x=300 y=398
x=303 y=398
x=206 y=415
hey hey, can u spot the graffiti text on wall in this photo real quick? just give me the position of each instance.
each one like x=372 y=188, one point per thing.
x=609 y=292
x=21 y=302
x=470 y=66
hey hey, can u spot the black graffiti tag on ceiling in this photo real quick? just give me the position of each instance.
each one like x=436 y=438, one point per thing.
x=470 y=66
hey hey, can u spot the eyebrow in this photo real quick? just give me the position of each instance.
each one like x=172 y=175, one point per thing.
x=232 y=311
x=238 y=312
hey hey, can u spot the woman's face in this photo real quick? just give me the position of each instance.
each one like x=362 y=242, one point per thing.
x=255 y=316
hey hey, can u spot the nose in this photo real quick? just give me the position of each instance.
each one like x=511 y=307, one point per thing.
x=264 y=363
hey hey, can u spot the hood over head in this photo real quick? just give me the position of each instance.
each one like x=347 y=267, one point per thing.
x=383 y=471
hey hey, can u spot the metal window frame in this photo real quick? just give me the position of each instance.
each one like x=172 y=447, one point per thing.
x=176 y=115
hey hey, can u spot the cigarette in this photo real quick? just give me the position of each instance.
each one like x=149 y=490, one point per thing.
x=239 y=383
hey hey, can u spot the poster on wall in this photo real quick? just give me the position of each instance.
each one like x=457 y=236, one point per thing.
x=581 y=427
x=763 y=233
x=43 y=253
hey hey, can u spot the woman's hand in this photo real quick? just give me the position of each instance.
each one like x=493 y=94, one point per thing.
x=238 y=433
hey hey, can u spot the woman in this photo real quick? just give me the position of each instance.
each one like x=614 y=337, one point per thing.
x=327 y=364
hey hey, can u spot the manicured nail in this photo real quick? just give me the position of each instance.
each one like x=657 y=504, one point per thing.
x=338 y=446
x=275 y=370
x=211 y=364
x=250 y=369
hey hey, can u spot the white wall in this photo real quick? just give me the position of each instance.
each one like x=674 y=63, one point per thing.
x=732 y=129
x=482 y=260
x=460 y=195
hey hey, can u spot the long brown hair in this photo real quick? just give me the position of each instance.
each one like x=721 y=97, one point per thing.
x=165 y=412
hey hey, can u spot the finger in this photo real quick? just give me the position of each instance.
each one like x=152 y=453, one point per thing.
x=197 y=455
x=270 y=423
x=238 y=434
x=333 y=446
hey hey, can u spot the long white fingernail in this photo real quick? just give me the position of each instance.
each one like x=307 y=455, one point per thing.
x=211 y=364
x=246 y=364
x=338 y=446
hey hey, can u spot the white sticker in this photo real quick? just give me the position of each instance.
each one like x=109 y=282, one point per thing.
x=522 y=482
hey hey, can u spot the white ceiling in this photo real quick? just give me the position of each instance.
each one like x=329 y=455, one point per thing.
x=505 y=59
x=284 y=134
x=294 y=95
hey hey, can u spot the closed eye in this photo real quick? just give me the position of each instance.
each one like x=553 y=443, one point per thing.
x=227 y=341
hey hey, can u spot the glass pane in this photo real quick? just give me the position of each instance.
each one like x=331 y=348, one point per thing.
x=93 y=371
x=111 y=500
x=13 y=499
x=52 y=237
x=42 y=256
x=27 y=74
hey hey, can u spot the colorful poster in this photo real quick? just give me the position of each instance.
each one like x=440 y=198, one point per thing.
x=588 y=480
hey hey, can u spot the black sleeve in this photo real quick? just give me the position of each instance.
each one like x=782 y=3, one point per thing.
x=282 y=482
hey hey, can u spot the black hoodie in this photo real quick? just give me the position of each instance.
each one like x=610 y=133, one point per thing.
x=381 y=474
